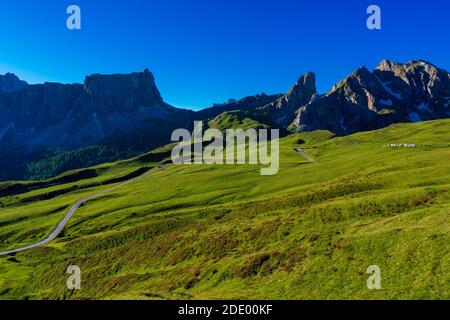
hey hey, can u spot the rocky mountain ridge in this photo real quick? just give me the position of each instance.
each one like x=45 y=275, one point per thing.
x=127 y=111
x=70 y=116
x=393 y=92
x=10 y=82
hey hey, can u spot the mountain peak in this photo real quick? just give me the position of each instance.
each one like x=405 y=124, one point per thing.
x=10 y=82
x=283 y=109
x=305 y=85
x=360 y=75
x=386 y=65
x=148 y=74
x=422 y=63
x=125 y=91
x=394 y=92
x=361 y=71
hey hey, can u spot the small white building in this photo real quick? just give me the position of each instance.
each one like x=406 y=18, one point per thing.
x=404 y=145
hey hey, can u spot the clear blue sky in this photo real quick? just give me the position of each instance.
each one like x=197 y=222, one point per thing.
x=205 y=51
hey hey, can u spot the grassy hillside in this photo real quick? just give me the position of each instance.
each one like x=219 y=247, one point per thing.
x=238 y=120
x=205 y=231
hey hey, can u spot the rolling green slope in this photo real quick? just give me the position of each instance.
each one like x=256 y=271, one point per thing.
x=225 y=231
x=238 y=120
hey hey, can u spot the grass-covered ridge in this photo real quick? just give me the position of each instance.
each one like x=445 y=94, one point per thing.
x=238 y=120
x=202 y=231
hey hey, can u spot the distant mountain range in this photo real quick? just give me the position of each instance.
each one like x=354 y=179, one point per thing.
x=365 y=100
x=49 y=128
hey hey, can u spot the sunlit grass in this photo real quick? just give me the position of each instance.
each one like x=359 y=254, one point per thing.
x=225 y=231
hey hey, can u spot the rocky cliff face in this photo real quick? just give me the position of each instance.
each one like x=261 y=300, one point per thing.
x=10 y=82
x=365 y=100
x=421 y=89
x=282 y=110
x=40 y=106
x=75 y=115
x=122 y=92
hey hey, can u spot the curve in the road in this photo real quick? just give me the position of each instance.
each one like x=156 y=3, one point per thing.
x=302 y=152
x=58 y=229
x=74 y=208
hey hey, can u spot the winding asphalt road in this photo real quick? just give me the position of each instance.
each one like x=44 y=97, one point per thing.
x=74 y=208
x=58 y=229
x=302 y=152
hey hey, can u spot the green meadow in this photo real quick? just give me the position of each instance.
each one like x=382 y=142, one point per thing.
x=226 y=232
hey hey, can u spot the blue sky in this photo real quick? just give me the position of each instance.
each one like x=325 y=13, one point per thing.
x=206 y=51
